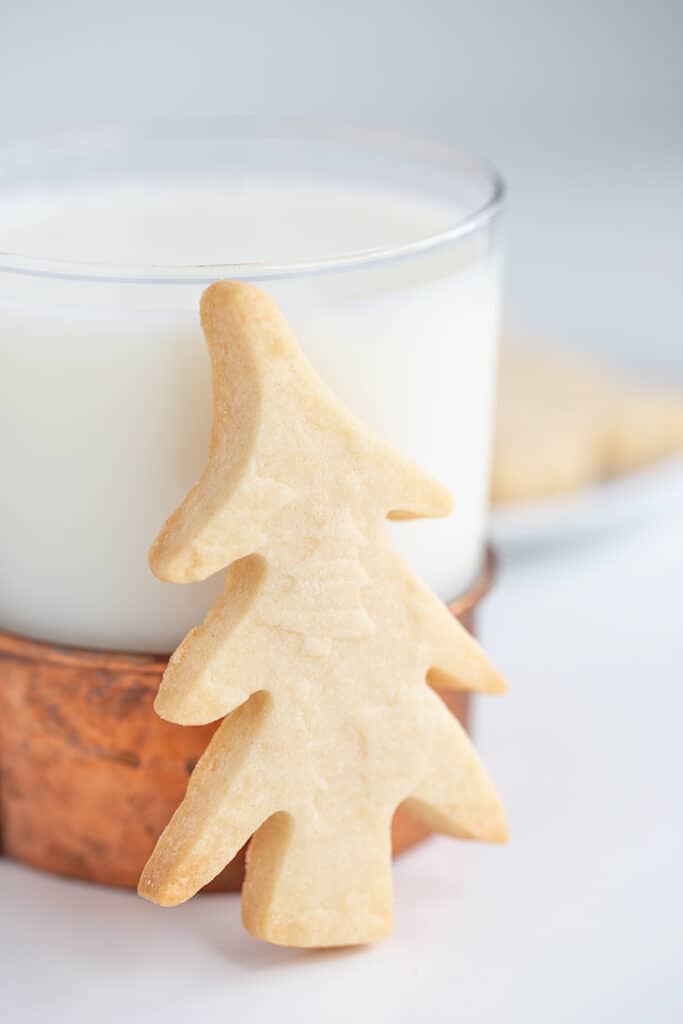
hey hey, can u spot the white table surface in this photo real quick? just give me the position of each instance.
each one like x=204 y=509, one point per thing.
x=579 y=919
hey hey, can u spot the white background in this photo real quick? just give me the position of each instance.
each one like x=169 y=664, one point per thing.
x=580 y=919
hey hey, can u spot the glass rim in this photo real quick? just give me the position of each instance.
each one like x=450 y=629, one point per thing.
x=380 y=140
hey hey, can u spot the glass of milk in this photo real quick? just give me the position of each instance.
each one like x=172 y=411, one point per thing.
x=383 y=253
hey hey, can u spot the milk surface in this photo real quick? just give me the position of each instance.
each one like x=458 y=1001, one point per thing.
x=105 y=401
x=206 y=223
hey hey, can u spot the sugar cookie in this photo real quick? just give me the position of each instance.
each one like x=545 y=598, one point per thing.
x=317 y=653
x=564 y=422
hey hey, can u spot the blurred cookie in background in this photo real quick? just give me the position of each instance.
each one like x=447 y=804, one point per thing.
x=565 y=422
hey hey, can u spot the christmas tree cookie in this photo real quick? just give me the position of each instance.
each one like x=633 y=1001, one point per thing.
x=316 y=656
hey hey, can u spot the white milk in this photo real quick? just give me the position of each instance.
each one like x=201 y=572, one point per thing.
x=105 y=394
